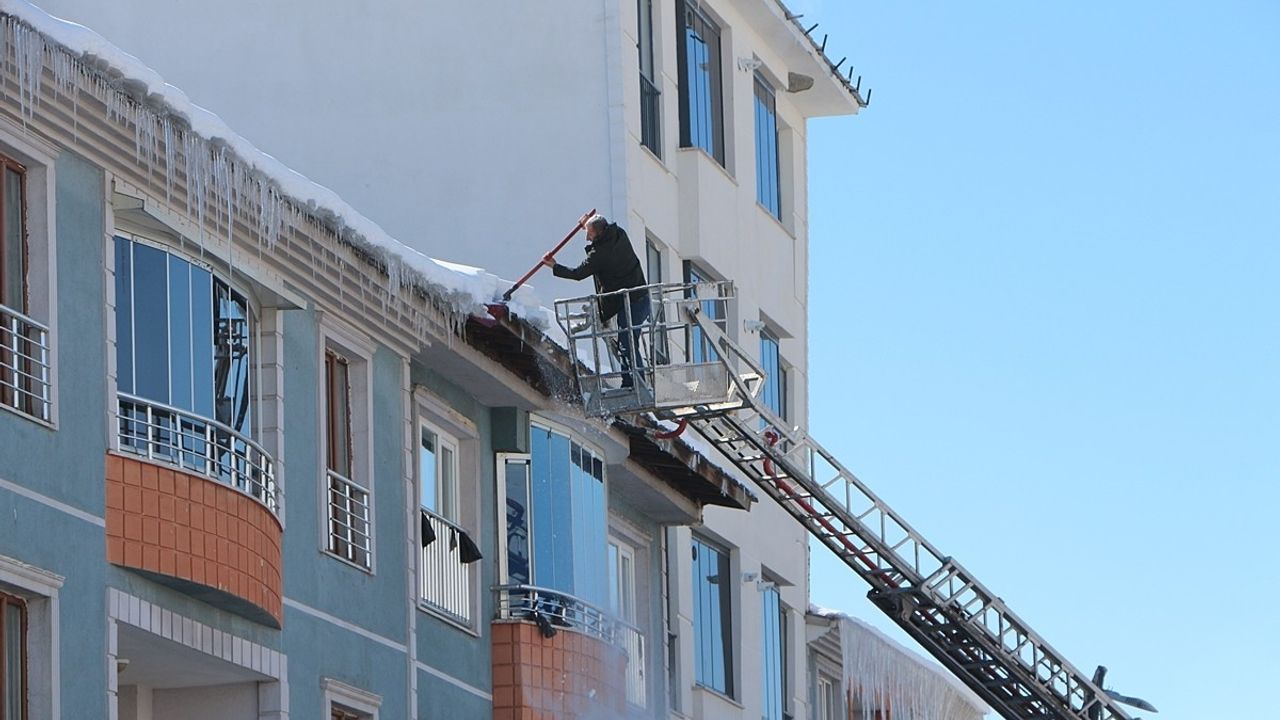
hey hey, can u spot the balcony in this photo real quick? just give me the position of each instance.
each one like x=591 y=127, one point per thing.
x=25 y=385
x=557 y=654
x=446 y=575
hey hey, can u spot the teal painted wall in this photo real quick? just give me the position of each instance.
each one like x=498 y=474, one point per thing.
x=67 y=465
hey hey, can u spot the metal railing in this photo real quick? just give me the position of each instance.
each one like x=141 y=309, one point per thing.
x=446 y=580
x=349 y=534
x=25 y=384
x=678 y=362
x=650 y=116
x=554 y=609
x=632 y=642
x=168 y=434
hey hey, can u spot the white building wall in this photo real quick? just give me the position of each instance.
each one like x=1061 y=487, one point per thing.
x=478 y=132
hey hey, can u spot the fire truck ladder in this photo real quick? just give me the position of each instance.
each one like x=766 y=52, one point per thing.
x=688 y=369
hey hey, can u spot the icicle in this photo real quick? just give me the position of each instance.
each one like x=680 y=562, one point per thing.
x=884 y=677
x=28 y=51
x=170 y=157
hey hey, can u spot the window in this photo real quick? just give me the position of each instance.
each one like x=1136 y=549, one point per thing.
x=701 y=348
x=27 y=269
x=23 y=345
x=826 y=690
x=622 y=581
x=13 y=235
x=653 y=266
x=774 y=392
x=701 y=96
x=447 y=549
x=712 y=618
x=438 y=473
x=650 y=102
x=13 y=658
x=182 y=336
x=774 y=648
x=184 y=350
x=346 y=702
x=556 y=517
x=768 y=187
x=349 y=531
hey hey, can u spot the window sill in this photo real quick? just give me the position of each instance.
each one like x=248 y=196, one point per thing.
x=46 y=424
x=719 y=695
x=426 y=609
x=655 y=157
x=714 y=163
x=790 y=233
x=366 y=570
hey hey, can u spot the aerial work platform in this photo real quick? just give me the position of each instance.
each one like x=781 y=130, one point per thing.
x=690 y=371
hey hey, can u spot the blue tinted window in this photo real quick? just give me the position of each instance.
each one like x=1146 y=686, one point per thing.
x=774 y=392
x=171 y=346
x=151 y=322
x=712 y=626
x=768 y=189
x=701 y=101
x=518 y=570
x=124 y=315
x=202 y=341
x=180 y=333
x=567 y=504
x=774 y=654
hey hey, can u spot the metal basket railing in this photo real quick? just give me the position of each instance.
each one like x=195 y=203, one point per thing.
x=675 y=354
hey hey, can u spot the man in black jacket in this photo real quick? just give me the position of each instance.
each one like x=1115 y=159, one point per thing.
x=613 y=264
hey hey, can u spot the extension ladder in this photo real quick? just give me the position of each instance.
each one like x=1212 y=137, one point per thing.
x=689 y=370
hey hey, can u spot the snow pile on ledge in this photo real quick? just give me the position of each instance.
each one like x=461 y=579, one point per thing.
x=135 y=92
x=882 y=673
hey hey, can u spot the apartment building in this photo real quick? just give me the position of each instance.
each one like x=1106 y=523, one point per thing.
x=258 y=460
x=490 y=126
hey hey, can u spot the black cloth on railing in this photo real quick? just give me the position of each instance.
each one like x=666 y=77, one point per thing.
x=468 y=552
x=428 y=532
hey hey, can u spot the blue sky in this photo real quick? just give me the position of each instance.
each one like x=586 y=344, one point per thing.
x=1044 y=296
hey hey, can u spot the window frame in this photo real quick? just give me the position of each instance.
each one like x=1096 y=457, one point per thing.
x=7 y=600
x=650 y=91
x=341 y=340
x=530 y=521
x=9 y=164
x=776 y=381
x=443 y=439
x=39 y=249
x=431 y=412
x=355 y=702
x=38 y=590
x=770 y=589
x=825 y=702
x=765 y=104
x=725 y=611
x=687 y=10
x=699 y=348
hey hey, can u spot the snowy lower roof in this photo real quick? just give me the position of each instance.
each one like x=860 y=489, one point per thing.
x=881 y=672
x=168 y=122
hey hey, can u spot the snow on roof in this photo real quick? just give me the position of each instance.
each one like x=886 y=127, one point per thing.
x=466 y=289
x=883 y=672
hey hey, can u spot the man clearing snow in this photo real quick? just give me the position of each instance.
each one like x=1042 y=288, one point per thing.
x=614 y=265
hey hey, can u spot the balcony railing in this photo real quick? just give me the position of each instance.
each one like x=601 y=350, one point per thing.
x=446 y=579
x=632 y=642
x=207 y=447
x=650 y=116
x=553 y=609
x=349 y=532
x=24 y=364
